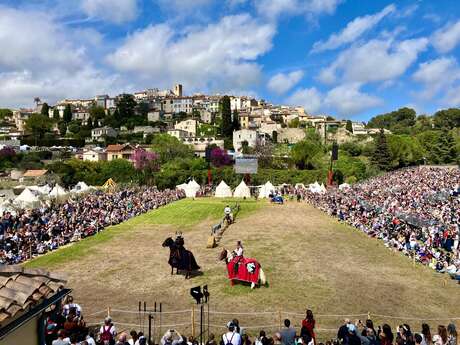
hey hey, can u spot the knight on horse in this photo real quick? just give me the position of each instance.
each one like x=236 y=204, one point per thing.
x=180 y=258
x=241 y=268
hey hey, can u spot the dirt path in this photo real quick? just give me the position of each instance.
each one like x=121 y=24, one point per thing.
x=310 y=260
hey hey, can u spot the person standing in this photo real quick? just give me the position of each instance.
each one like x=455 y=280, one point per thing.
x=231 y=337
x=288 y=333
x=308 y=326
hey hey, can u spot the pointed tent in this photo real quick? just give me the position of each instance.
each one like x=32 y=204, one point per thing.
x=266 y=190
x=58 y=192
x=223 y=190
x=109 y=184
x=322 y=189
x=27 y=199
x=344 y=186
x=242 y=191
x=80 y=187
x=45 y=190
x=194 y=184
x=191 y=190
x=181 y=186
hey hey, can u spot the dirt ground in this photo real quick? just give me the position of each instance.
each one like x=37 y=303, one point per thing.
x=311 y=261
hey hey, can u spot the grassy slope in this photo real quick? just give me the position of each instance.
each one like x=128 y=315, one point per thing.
x=184 y=213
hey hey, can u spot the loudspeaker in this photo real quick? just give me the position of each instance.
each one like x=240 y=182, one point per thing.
x=335 y=151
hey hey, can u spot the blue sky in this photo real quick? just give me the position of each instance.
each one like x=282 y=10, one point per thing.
x=348 y=58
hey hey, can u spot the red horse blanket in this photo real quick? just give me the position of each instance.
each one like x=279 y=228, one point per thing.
x=244 y=269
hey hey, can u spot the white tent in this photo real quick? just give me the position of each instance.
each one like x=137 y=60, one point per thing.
x=194 y=184
x=299 y=186
x=181 y=186
x=322 y=189
x=27 y=199
x=344 y=186
x=223 y=190
x=191 y=189
x=242 y=191
x=80 y=187
x=58 y=192
x=314 y=187
x=266 y=190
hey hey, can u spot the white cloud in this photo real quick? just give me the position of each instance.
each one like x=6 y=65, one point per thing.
x=354 y=29
x=218 y=56
x=44 y=59
x=309 y=99
x=275 y=8
x=439 y=77
x=281 y=83
x=447 y=38
x=115 y=11
x=375 y=60
x=348 y=100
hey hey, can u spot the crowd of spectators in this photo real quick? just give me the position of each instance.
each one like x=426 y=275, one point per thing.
x=28 y=233
x=67 y=327
x=415 y=211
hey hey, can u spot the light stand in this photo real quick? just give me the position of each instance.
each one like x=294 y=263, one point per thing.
x=201 y=298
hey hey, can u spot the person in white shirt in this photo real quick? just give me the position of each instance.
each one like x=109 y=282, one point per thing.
x=231 y=337
x=239 y=251
x=228 y=213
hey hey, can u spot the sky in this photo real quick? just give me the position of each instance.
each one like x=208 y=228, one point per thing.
x=347 y=58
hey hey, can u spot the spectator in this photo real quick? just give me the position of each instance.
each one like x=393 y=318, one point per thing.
x=232 y=337
x=418 y=339
x=441 y=337
x=288 y=333
x=426 y=335
x=308 y=326
x=61 y=339
x=386 y=335
x=122 y=339
x=451 y=334
x=211 y=340
x=134 y=338
x=108 y=332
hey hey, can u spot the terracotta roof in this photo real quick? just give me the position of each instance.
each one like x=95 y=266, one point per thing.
x=35 y=173
x=114 y=148
x=21 y=289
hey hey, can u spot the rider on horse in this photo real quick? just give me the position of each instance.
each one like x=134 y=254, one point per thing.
x=228 y=215
x=238 y=255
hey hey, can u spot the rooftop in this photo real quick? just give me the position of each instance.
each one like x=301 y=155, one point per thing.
x=35 y=173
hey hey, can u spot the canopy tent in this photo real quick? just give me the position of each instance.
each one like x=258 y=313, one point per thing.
x=81 y=187
x=322 y=188
x=7 y=206
x=223 y=190
x=27 y=199
x=58 y=192
x=181 y=186
x=191 y=190
x=314 y=187
x=194 y=184
x=299 y=186
x=266 y=190
x=43 y=190
x=344 y=186
x=109 y=184
x=242 y=191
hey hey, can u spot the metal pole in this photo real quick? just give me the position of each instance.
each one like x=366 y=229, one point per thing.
x=193 y=320
x=201 y=323
x=150 y=329
x=140 y=317
x=143 y=316
x=160 y=319
x=154 y=324
x=208 y=319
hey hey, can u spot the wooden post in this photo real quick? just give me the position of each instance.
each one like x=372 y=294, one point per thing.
x=279 y=319
x=369 y=315
x=193 y=320
x=108 y=311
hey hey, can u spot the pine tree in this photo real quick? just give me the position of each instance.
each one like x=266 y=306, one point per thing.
x=56 y=113
x=45 y=109
x=236 y=121
x=67 y=114
x=381 y=157
x=349 y=126
x=226 y=113
x=445 y=150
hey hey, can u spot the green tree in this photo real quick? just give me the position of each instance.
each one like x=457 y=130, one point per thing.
x=97 y=114
x=295 y=123
x=275 y=137
x=226 y=114
x=399 y=121
x=349 y=126
x=45 y=109
x=305 y=154
x=445 y=148
x=56 y=114
x=235 y=121
x=38 y=125
x=381 y=157
x=126 y=107
x=405 y=151
x=5 y=113
x=170 y=148
x=62 y=126
x=67 y=114
x=447 y=119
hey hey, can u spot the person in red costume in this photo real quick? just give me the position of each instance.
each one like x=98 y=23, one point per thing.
x=308 y=326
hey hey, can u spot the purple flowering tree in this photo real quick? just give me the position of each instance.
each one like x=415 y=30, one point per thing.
x=7 y=152
x=145 y=160
x=219 y=157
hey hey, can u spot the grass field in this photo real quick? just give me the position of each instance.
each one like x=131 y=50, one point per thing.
x=310 y=261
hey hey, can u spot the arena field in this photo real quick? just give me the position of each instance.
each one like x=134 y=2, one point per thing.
x=310 y=261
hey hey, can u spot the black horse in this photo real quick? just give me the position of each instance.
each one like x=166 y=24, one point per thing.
x=180 y=258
